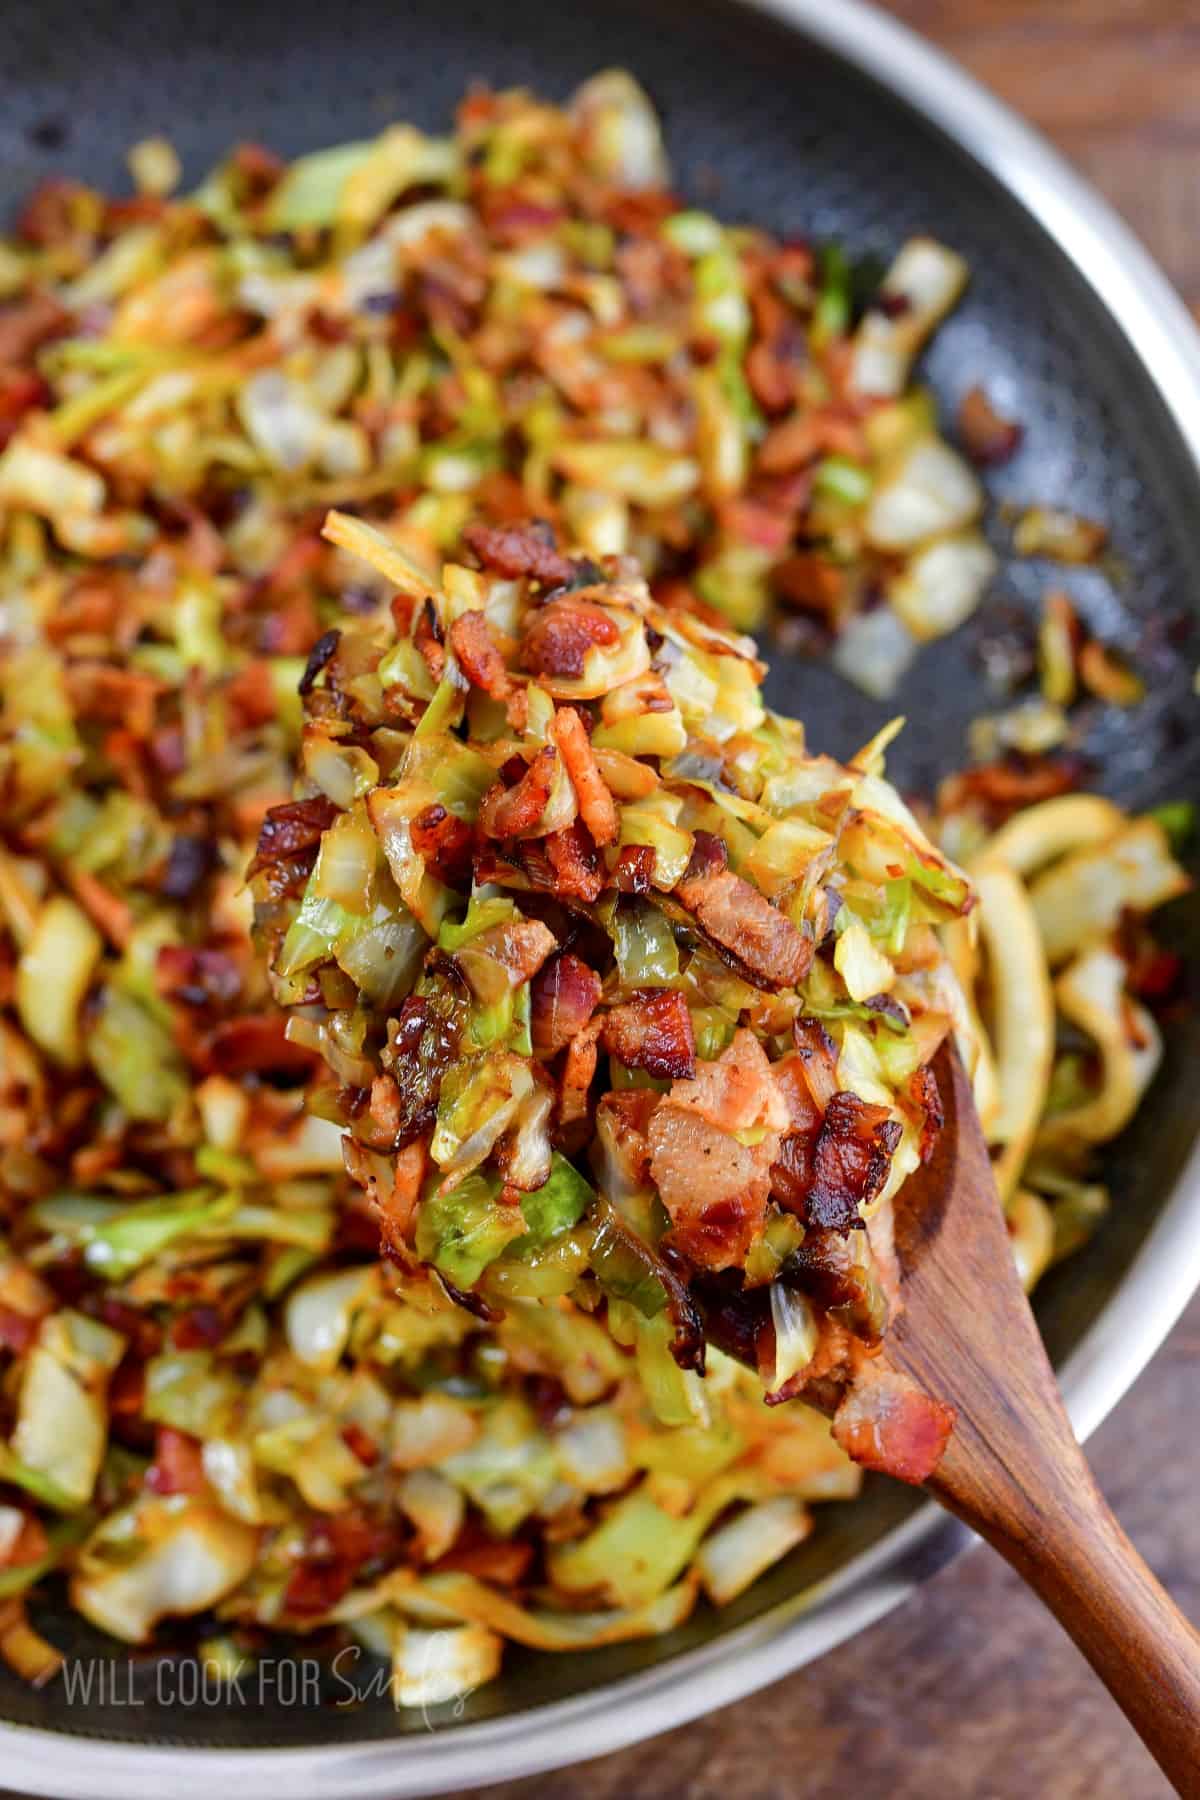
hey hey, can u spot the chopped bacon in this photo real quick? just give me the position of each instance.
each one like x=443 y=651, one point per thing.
x=924 y=1092
x=20 y=391
x=714 y=1186
x=709 y=856
x=596 y=804
x=579 y=1071
x=17 y=1330
x=516 y=550
x=827 y=1268
x=558 y=636
x=112 y=696
x=197 y=976
x=1003 y=788
x=25 y=325
x=813 y=583
x=564 y=995
x=818 y=1058
x=743 y=923
x=508 y=812
x=190 y=860
x=577 y=871
x=177 y=1467
x=505 y=1564
x=653 y=1031
x=622 y=1124
x=635 y=868
x=851 y=1160
x=447 y=843
x=987 y=437
x=255 y=1044
x=479 y=655
x=427 y=636
x=886 y=1423
x=199 y=1328
x=288 y=830
x=805 y=436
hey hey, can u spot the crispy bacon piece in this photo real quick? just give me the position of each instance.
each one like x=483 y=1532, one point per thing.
x=634 y=869
x=197 y=976
x=255 y=1044
x=177 y=1467
x=1003 y=788
x=479 y=655
x=20 y=391
x=743 y=923
x=190 y=860
x=713 y=1185
x=826 y=1268
x=513 y=812
x=806 y=435
x=988 y=438
x=579 y=1071
x=341 y=1548
x=818 y=1058
x=396 y=1210
x=924 y=1092
x=653 y=1031
x=17 y=1330
x=596 y=805
x=886 y=1423
x=427 y=636
x=199 y=1328
x=447 y=843
x=516 y=550
x=564 y=995
x=27 y=324
x=622 y=1124
x=851 y=1159
x=577 y=871
x=500 y=1563
x=557 y=637
x=288 y=830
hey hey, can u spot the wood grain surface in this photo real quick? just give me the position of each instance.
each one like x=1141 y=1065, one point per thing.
x=970 y=1691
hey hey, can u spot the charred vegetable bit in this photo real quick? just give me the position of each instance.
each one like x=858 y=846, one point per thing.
x=710 y=1068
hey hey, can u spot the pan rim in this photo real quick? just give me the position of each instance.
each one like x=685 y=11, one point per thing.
x=1159 y=1283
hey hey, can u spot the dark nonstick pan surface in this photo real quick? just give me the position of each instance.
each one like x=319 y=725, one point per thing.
x=766 y=126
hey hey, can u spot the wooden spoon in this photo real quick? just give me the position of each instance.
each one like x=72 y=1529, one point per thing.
x=1012 y=1469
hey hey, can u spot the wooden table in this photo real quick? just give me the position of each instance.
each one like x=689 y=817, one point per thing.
x=969 y=1692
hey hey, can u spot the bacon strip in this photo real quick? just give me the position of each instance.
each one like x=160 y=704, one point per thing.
x=517 y=811
x=516 y=550
x=886 y=1423
x=851 y=1160
x=596 y=804
x=653 y=1031
x=479 y=655
x=287 y=830
x=558 y=636
x=577 y=871
x=563 y=997
x=743 y=922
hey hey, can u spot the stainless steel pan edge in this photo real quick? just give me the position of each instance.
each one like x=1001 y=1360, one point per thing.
x=1114 y=1352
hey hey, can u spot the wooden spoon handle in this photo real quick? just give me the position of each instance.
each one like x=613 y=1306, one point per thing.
x=1013 y=1470
x=1143 y=1649
x=1071 y=1550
